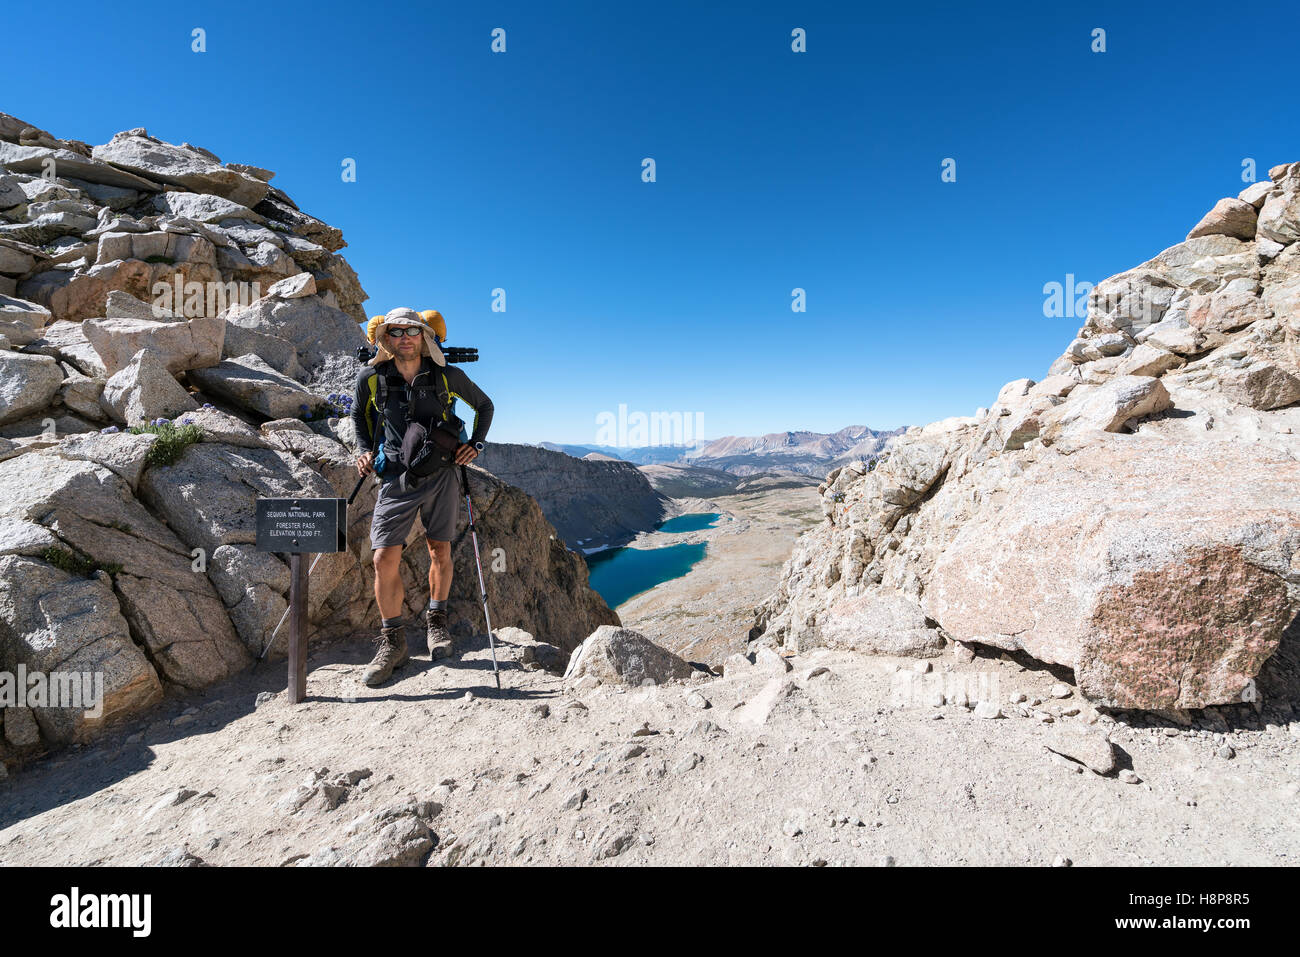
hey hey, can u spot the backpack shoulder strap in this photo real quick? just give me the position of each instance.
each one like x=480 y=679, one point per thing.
x=448 y=397
x=379 y=399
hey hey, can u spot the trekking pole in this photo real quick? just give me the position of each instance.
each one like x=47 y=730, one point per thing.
x=285 y=615
x=353 y=497
x=478 y=563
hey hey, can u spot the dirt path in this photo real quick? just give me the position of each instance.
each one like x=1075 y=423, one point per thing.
x=850 y=765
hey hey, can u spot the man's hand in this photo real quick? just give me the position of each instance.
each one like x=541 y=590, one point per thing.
x=466 y=454
x=365 y=463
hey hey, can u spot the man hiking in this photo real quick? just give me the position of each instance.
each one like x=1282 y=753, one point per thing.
x=409 y=384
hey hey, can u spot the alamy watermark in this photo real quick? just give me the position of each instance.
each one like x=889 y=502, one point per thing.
x=637 y=429
x=912 y=689
x=133 y=912
x=77 y=690
x=176 y=298
x=1067 y=300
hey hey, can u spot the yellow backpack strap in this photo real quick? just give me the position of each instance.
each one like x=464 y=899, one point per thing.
x=372 y=411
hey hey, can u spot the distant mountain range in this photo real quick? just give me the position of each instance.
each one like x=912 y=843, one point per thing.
x=644 y=455
x=805 y=453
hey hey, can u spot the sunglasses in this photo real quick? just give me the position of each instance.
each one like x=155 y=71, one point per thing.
x=401 y=331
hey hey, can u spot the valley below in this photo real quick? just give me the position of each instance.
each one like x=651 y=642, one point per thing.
x=706 y=614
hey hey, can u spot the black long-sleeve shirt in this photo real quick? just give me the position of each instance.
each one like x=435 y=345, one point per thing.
x=419 y=401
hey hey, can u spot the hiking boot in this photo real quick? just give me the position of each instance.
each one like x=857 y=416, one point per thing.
x=440 y=643
x=390 y=654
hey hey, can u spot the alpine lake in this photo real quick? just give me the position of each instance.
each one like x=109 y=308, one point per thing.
x=618 y=574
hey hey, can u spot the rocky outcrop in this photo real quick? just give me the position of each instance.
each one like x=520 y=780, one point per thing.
x=590 y=502
x=132 y=554
x=1134 y=516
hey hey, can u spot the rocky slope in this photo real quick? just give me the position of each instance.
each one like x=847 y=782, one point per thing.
x=1134 y=516
x=690 y=481
x=131 y=553
x=590 y=501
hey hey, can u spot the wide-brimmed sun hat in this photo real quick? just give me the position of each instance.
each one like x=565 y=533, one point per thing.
x=402 y=316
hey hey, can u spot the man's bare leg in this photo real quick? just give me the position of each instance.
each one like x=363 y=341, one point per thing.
x=389 y=594
x=391 y=651
x=440 y=571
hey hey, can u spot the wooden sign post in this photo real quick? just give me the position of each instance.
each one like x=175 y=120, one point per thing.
x=299 y=527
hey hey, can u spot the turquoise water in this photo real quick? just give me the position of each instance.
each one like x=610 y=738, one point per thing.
x=622 y=573
x=694 y=522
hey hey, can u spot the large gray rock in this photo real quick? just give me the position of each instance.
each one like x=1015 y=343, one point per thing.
x=1105 y=407
x=314 y=328
x=253 y=586
x=879 y=622
x=252 y=384
x=1279 y=217
x=122 y=453
x=17 y=258
x=22 y=322
x=81 y=394
x=12 y=198
x=279 y=208
x=1229 y=217
x=1168 y=605
x=180 y=346
x=33 y=159
x=294 y=287
x=144 y=391
x=28 y=383
x=207 y=510
x=278 y=353
x=1149 y=359
x=197 y=170
x=67 y=342
x=173 y=611
x=112 y=197
x=619 y=655
x=168 y=246
x=225 y=429
x=90 y=511
x=51 y=620
x=49 y=221
x=80 y=293
x=123 y=305
x=203 y=208
x=1261 y=385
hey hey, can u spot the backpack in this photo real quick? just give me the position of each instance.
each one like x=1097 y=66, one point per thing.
x=425 y=449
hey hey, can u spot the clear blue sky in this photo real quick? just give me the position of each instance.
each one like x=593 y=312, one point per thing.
x=775 y=170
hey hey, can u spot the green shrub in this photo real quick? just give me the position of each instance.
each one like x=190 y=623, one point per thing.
x=172 y=441
x=75 y=563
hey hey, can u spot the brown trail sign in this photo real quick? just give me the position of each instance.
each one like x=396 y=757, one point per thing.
x=298 y=527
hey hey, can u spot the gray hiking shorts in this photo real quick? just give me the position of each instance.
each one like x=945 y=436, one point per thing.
x=436 y=499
